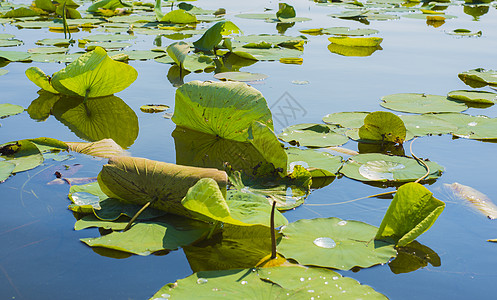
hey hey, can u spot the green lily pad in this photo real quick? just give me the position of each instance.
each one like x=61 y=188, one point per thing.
x=108 y=38
x=224 y=109
x=107 y=45
x=85 y=198
x=312 y=135
x=24 y=154
x=144 y=238
x=6 y=36
x=356 y=41
x=20 y=12
x=349 y=14
x=349 y=32
x=334 y=243
x=10 y=43
x=380 y=167
x=266 y=283
x=471 y=127
x=260 y=16
x=267 y=54
x=464 y=32
x=137 y=54
x=38 y=77
x=240 y=76
x=107 y=4
x=58 y=58
x=7 y=109
x=45 y=144
x=421 y=103
x=92 y=121
x=6 y=169
x=473 y=96
x=426 y=124
x=429 y=16
x=179 y=16
x=55 y=42
x=139 y=181
x=480 y=77
x=14 y=55
x=207 y=203
x=92 y=221
x=346 y=119
x=320 y=164
x=285 y=11
x=47 y=50
x=412 y=211
x=383 y=126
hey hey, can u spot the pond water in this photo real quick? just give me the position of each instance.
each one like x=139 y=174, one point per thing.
x=41 y=256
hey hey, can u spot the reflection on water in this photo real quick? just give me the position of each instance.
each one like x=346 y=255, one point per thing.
x=93 y=120
x=412 y=257
x=352 y=51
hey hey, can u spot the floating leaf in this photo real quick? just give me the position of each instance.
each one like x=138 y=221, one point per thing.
x=20 y=13
x=92 y=221
x=107 y=38
x=207 y=203
x=261 y=16
x=412 y=211
x=240 y=76
x=320 y=164
x=346 y=119
x=380 y=167
x=24 y=154
x=479 y=200
x=94 y=74
x=6 y=169
x=54 y=42
x=312 y=135
x=178 y=52
x=421 y=103
x=153 y=108
x=85 y=198
x=139 y=181
x=47 y=50
x=349 y=32
x=14 y=55
x=108 y=4
x=7 y=109
x=264 y=140
x=179 y=16
x=474 y=96
x=144 y=238
x=334 y=243
x=471 y=127
x=285 y=11
x=10 y=43
x=383 y=126
x=479 y=77
x=98 y=119
x=464 y=32
x=224 y=109
x=356 y=42
x=426 y=124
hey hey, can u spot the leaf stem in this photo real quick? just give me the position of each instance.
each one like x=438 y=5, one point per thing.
x=214 y=227
x=138 y=213
x=421 y=162
x=273 y=235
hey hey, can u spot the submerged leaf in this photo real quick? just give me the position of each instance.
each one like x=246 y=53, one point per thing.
x=412 y=211
x=479 y=200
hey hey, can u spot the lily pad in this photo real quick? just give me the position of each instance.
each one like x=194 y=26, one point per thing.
x=346 y=119
x=14 y=55
x=92 y=121
x=7 y=109
x=312 y=135
x=90 y=221
x=380 y=167
x=55 y=42
x=382 y=126
x=464 y=32
x=154 y=108
x=107 y=45
x=104 y=148
x=224 y=109
x=240 y=76
x=426 y=124
x=94 y=74
x=422 y=103
x=412 y=211
x=334 y=243
x=108 y=38
x=10 y=43
x=320 y=164
x=144 y=238
x=213 y=36
x=47 y=50
x=267 y=54
x=24 y=154
x=471 y=127
x=474 y=96
x=6 y=169
x=479 y=77
x=346 y=31
x=38 y=77
x=260 y=16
